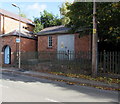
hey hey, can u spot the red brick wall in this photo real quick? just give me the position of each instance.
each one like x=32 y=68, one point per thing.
x=43 y=43
x=83 y=43
x=7 y=41
x=80 y=44
x=27 y=45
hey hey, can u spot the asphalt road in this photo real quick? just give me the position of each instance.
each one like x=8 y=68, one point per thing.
x=20 y=88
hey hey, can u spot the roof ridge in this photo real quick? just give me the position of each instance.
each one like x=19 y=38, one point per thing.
x=54 y=26
x=15 y=16
x=54 y=29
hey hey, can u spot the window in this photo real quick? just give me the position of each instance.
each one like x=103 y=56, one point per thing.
x=49 y=41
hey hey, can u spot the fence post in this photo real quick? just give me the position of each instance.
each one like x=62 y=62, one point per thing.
x=99 y=62
x=110 y=62
x=116 y=65
x=104 y=61
x=113 y=62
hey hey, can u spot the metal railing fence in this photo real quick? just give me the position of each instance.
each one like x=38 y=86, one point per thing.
x=109 y=62
x=61 y=61
x=78 y=63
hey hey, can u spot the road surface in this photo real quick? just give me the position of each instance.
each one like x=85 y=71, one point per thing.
x=20 y=88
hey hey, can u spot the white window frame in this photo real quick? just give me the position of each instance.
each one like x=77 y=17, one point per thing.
x=50 y=42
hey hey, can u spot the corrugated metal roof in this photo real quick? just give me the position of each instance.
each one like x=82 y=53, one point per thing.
x=54 y=30
x=14 y=16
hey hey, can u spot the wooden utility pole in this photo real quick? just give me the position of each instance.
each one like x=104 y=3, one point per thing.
x=94 y=42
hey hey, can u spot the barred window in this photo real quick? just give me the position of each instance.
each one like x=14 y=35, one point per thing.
x=49 y=41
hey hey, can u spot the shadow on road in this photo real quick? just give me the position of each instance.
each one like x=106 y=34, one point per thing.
x=92 y=92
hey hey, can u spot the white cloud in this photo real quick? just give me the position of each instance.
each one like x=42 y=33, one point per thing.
x=34 y=9
x=37 y=7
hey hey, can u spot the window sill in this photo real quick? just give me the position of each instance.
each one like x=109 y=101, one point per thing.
x=49 y=47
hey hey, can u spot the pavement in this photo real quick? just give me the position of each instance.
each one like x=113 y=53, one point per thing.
x=24 y=88
x=68 y=80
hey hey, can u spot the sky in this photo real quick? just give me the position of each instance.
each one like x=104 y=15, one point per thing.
x=32 y=9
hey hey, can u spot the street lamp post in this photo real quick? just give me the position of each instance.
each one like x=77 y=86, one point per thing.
x=19 y=53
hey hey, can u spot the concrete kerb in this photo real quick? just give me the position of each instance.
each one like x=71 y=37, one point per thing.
x=68 y=80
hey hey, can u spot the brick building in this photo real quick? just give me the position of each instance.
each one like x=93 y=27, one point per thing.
x=58 y=38
x=9 y=26
x=10 y=22
x=52 y=39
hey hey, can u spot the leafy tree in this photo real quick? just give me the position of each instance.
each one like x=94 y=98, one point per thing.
x=38 y=27
x=63 y=10
x=108 y=23
x=46 y=19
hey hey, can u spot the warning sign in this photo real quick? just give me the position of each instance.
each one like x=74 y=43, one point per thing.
x=94 y=31
x=62 y=45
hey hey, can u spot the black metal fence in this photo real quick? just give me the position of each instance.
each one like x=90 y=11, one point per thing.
x=56 y=61
x=78 y=63
x=109 y=62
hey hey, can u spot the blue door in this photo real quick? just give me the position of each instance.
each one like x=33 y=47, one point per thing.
x=7 y=53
